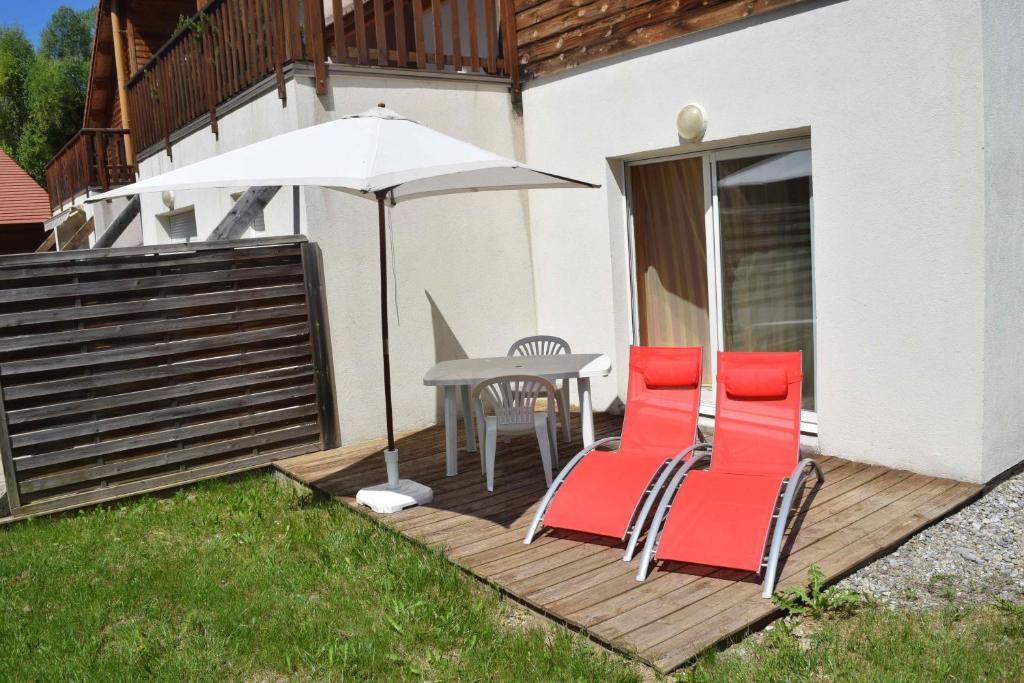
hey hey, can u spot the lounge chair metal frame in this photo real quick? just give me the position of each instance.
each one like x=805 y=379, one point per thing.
x=643 y=504
x=792 y=484
x=780 y=518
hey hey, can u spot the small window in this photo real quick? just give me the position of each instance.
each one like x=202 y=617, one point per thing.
x=180 y=225
x=257 y=224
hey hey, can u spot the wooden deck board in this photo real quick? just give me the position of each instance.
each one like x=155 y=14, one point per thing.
x=859 y=513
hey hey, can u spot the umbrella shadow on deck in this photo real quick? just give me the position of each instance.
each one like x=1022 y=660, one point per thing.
x=519 y=482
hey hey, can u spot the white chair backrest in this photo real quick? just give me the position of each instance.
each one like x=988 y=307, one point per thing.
x=539 y=345
x=513 y=398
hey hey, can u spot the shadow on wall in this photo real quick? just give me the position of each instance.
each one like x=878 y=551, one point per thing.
x=446 y=347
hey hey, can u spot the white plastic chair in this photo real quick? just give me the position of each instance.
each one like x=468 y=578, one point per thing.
x=508 y=405
x=546 y=345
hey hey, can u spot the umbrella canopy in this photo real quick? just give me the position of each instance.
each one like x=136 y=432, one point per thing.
x=378 y=154
x=365 y=154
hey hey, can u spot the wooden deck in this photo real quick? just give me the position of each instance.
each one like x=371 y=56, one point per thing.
x=860 y=513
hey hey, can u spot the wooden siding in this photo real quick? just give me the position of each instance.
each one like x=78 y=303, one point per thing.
x=127 y=370
x=555 y=35
x=149 y=24
x=860 y=513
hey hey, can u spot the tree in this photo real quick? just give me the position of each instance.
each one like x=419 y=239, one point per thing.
x=54 y=100
x=15 y=60
x=68 y=35
x=42 y=95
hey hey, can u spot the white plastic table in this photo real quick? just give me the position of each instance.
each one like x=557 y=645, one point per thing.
x=468 y=372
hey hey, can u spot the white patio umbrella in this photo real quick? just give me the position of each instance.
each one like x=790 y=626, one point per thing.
x=378 y=154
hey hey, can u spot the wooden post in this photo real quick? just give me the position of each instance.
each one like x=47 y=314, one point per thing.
x=316 y=48
x=7 y=457
x=320 y=343
x=292 y=26
x=242 y=214
x=508 y=22
x=119 y=67
x=118 y=225
x=380 y=31
x=340 y=46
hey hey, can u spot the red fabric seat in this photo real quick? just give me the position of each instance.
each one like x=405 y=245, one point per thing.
x=601 y=493
x=604 y=489
x=722 y=516
x=720 y=519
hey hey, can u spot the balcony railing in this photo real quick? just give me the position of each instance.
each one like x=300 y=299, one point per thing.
x=230 y=45
x=94 y=159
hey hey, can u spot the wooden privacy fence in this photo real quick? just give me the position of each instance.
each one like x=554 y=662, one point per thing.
x=130 y=370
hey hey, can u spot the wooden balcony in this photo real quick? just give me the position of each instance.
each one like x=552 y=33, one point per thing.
x=93 y=160
x=231 y=45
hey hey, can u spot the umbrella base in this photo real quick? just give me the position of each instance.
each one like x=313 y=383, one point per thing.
x=386 y=500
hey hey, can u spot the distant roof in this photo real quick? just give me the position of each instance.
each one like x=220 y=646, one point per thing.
x=21 y=198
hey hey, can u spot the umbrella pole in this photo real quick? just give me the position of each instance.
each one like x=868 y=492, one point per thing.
x=391 y=455
x=384 y=320
x=397 y=494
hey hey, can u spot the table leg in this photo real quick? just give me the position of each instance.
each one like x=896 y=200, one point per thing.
x=586 y=410
x=468 y=420
x=451 y=422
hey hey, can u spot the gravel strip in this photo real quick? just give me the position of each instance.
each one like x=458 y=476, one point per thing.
x=972 y=557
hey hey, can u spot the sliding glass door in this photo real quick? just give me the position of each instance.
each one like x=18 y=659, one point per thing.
x=722 y=253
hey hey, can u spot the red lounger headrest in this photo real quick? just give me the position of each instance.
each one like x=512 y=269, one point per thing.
x=662 y=372
x=768 y=383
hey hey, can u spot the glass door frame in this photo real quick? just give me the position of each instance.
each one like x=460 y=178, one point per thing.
x=713 y=242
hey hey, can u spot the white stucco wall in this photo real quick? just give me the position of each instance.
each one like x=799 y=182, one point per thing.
x=461 y=263
x=1003 y=60
x=461 y=280
x=258 y=120
x=891 y=95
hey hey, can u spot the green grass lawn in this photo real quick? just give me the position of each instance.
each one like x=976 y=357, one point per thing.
x=249 y=580
x=877 y=644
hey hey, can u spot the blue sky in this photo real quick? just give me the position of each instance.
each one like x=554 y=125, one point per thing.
x=32 y=15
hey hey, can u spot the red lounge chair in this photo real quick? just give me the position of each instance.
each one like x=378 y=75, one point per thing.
x=610 y=493
x=721 y=516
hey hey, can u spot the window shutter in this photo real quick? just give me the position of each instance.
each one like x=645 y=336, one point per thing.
x=182 y=226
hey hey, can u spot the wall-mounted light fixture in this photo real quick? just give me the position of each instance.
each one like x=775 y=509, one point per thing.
x=167 y=197
x=692 y=122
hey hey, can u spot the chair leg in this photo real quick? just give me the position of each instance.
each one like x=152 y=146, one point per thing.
x=553 y=439
x=540 y=425
x=480 y=427
x=490 y=445
x=563 y=409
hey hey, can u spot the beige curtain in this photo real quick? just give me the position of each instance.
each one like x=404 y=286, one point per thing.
x=671 y=255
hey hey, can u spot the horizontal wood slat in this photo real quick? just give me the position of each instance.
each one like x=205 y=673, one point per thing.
x=183 y=368
x=161 y=393
x=160 y=437
x=188 y=301
x=554 y=35
x=126 y=330
x=158 y=350
x=160 y=482
x=128 y=370
x=141 y=262
x=176 y=280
